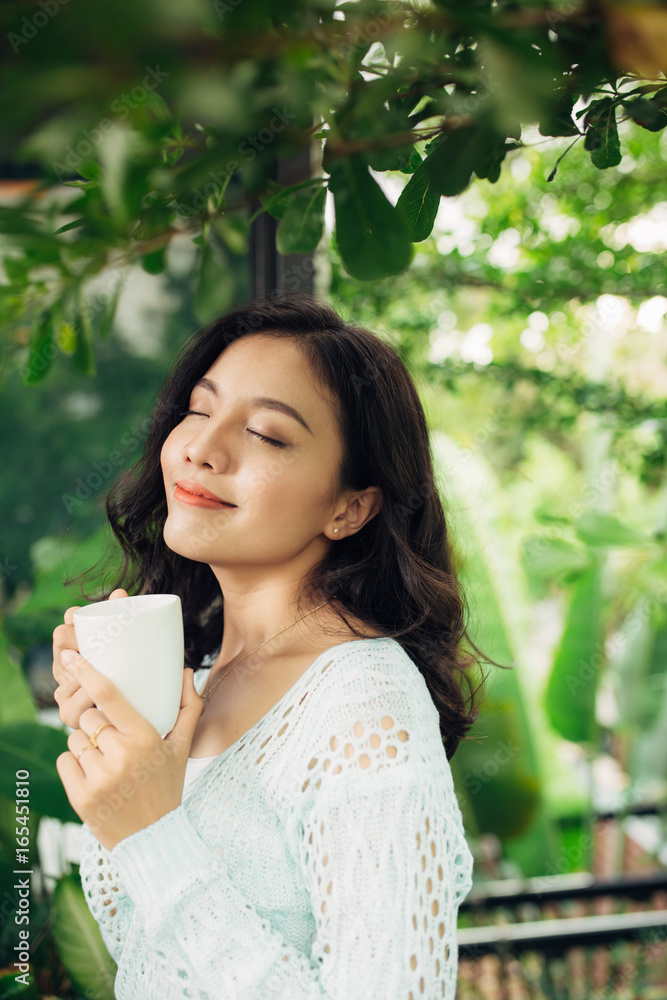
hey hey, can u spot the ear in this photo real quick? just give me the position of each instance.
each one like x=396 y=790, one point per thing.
x=365 y=505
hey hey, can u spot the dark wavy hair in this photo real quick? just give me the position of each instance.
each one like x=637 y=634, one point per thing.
x=396 y=573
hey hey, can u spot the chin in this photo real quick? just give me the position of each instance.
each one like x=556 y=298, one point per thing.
x=191 y=544
x=179 y=545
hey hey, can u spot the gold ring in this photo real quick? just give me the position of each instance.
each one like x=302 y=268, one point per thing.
x=87 y=747
x=93 y=738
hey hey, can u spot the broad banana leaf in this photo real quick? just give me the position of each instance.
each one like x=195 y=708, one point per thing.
x=571 y=690
x=499 y=778
x=56 y=559
x=79 y=942
x=35 y=747
x=16 y=704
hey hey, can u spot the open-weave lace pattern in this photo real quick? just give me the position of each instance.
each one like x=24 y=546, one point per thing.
x=322 y=855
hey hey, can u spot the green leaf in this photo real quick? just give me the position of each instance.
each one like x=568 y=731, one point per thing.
x=155 y=262
x=425 y=107
x=276 y=199
x=12 y=989
x=79 y=941
x=15 y=269
x=35 y=746
x=109 y=309
x=450 y=164
x=84 y=355
x=71 y=225
x=158 y=106
x=646 y=113
x=559 y=119
x=17 y=702
x=66 y=338
x=388 y=159
x=638 y=667
x=501 y=791
x=90 y=169
x=302 y=224
x=214 y=287
x=123 y=182
x=629 y=665
x=115 y=154
x=370 y=233
x=655 y=689
x=49 y=596
x=233 y=231
x=602 y=140
x=414 y=161
x=552 y=558
x=490 y=162
x=418 y=205
x=41 y=351
x=572 y=685
x=596 y=528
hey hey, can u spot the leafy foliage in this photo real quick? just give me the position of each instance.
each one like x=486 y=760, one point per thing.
x=370 y=232
x=534 y=316
x=79 y=942
x=179 y=123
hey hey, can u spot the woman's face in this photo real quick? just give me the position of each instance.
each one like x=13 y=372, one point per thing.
x=282 y=492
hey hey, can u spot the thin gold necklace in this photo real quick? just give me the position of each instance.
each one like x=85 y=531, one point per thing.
x=207 y=694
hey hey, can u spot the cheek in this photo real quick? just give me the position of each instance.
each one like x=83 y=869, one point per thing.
x=296 y=486
x=278 y=482
x=167 y=450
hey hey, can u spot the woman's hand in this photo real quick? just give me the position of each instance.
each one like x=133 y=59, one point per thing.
x=71 y=699
x=133 y=777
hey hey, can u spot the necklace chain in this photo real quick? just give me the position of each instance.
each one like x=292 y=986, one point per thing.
x=207 y=694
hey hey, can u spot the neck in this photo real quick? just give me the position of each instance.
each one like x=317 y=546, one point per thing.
x=281 y=631
x=259 y=600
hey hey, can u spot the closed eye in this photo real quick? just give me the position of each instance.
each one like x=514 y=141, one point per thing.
x=262 y=437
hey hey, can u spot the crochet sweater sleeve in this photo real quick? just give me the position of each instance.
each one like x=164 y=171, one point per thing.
x=376 y=832
x=106 y=895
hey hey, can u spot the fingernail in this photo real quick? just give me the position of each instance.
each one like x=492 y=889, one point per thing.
x=67 y=656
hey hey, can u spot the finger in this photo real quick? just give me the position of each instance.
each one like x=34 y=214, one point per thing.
x=72 y=777
x=63 y=671
x=108 y=698
x=77 y=740
x=192 y=705
x=190 y=697
x=69 y=614
x=90 y=720
x=64 y=637
x=72 y=705
x=119 y=592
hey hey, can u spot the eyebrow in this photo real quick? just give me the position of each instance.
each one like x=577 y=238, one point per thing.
x=264 y=401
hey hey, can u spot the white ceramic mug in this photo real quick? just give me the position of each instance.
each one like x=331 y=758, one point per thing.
x=137 y=642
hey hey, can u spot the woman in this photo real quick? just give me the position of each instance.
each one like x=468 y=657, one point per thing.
x=300 y=835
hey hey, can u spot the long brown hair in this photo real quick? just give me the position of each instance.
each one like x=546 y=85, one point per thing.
x=396 y=573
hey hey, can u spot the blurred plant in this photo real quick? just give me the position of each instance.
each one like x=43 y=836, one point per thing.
x=178 y=124
x=534 y=323
x=67 y=955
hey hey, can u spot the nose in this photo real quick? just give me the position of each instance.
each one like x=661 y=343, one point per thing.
x=205 y=446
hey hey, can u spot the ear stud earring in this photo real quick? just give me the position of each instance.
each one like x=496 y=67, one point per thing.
x=335 y=530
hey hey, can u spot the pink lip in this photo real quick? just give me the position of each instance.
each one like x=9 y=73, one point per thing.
x=191 y=492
